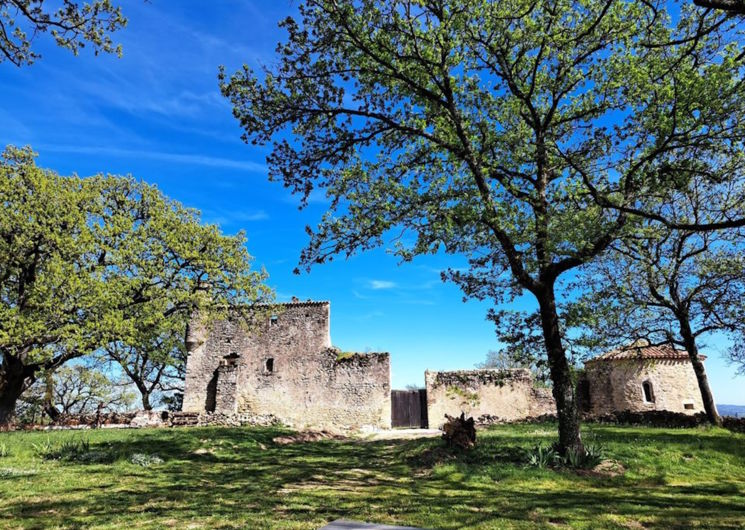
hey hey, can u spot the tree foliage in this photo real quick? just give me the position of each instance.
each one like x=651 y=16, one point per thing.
x=88 y=263
x=671 y=287
x=73 y=25
x=80 y=388
x=521 y=134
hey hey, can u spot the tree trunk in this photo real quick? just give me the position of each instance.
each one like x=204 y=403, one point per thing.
x=698 y=367
x=146 y=400
x=561 y=375
x=49 y=407
x=12 y=378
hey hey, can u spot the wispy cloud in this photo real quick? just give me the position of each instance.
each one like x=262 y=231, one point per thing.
x=232 y=217
x=317 y=196
x=165 y=156
x=381 y=284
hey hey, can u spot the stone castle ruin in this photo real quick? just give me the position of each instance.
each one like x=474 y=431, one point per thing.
x=286 y=369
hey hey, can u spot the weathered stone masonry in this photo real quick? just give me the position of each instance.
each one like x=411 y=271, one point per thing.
x=288 y=369
x=642 y=378
x=487 y=395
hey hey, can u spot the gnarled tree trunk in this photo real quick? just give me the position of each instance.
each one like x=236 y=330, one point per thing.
x=13 y=376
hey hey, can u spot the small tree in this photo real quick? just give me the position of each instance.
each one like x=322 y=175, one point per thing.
x=671 y=286
x=157 y=368
x=523 y=344
x=73 y=25
x=81 y=388
x=520 y=133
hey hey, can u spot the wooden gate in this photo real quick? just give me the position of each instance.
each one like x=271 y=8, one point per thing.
x=409 y=408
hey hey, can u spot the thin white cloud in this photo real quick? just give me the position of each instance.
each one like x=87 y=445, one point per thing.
x=177 y=158
x=233 y=217
x=381 y=284
x=317 y=196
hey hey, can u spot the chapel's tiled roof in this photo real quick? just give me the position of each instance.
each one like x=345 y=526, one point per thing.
x=643 y=352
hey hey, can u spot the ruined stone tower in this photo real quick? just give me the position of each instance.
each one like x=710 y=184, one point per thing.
x=287 y=368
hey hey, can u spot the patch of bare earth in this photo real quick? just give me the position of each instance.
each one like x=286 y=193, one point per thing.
x=308 y=436
x=606 y=468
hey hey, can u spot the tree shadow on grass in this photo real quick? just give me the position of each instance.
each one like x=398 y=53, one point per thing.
x=246 y=481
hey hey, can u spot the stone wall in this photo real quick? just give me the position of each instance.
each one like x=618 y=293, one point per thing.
x=617 y=385
x=286 y=367
x=487 y=395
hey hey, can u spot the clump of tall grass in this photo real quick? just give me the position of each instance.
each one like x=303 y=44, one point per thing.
x=64 y=450
x=547 y=456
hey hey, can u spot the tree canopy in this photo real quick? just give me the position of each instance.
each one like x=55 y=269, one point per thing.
x=671 y=287
x=85 y=263
x=521 y=134
x=73 y=25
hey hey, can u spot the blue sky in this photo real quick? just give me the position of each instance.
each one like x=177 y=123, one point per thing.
x=157 y=114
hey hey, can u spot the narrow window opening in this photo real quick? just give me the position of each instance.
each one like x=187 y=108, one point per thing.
x=273 y=320
x=269 y=365
x=688 y=406
x=648 y=393
x=231 y=359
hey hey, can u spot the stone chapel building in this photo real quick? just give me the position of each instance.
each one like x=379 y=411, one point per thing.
x=639 y=378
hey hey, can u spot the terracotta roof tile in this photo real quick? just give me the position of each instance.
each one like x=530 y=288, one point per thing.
x=664 y=351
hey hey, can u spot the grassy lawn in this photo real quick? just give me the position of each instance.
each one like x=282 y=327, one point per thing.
x=237 y=478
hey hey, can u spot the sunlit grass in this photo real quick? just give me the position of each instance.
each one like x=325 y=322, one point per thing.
x=237 y=478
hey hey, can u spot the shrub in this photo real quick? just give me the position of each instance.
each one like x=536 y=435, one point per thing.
x=594 y=455
x=4 y=451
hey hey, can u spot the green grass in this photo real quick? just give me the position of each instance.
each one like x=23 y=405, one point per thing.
x=237 y=478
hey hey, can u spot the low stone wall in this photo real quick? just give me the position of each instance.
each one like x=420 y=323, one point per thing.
x=94 y=420
x=489 y=396
x=650 y=418
x=161 y=418
x=216 y=419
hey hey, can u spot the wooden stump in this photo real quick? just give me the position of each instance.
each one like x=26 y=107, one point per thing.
x=459 y=431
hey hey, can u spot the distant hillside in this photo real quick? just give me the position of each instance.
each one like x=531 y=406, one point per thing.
x=738 y=411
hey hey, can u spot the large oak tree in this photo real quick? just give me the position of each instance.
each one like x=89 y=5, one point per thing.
x=519 y=133
x=85 y=263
